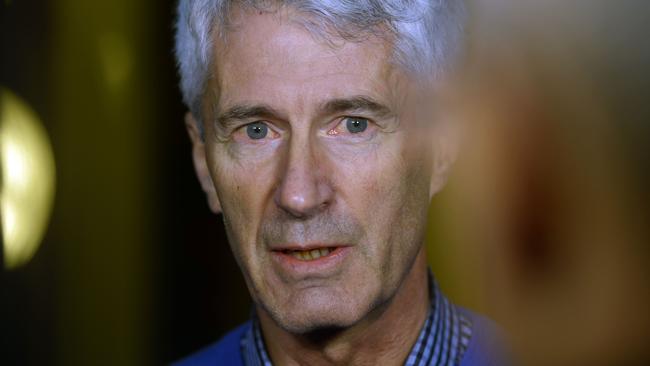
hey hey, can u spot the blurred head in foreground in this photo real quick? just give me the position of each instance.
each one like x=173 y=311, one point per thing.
x=310 y=136
x=553 y=175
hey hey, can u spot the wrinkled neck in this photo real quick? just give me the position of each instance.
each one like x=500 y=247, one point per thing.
x=384 y=337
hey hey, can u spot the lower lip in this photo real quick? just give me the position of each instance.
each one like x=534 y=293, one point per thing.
x=315 y=266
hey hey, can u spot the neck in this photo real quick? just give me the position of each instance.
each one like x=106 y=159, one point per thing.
x=384 y=337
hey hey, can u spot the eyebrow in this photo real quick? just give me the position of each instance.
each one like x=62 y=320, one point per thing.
x=355 y=103
x=246 y=111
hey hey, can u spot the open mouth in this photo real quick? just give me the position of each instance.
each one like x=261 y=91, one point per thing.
x=311 y=254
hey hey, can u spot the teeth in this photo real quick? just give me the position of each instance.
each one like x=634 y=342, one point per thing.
x=308 y=255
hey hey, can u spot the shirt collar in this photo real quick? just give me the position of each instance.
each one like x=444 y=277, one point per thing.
x=442 y=341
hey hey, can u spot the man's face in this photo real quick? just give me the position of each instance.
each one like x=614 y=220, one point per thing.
x=316 y=160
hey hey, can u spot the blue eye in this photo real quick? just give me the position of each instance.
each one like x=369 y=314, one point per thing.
x=257 y=130
x=356 y=124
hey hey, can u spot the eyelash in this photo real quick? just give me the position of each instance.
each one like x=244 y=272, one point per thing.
x=242 y=130
x=369 y=125
x=331 y=132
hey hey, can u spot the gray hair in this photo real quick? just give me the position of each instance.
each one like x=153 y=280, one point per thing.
x=427 y=32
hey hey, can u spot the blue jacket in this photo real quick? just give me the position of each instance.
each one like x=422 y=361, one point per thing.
x=486 y=347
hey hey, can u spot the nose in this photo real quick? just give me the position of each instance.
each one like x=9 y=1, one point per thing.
x=304 y=189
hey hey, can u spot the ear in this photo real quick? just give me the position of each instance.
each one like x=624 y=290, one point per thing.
x=201 y=164
x=445 y=150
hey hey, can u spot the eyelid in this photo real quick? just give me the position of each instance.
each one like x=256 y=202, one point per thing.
x=340 y=120
x=262 y=121
x=272 y=129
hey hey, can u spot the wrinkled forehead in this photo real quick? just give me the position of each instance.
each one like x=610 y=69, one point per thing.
x=267 y=56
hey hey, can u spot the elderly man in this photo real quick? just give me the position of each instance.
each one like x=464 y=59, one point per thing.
x=310 y=136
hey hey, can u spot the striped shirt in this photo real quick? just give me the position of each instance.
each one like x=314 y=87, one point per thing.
x=442 y=341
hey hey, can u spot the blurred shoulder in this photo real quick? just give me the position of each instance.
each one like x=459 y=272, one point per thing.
x=226 y=351
x=488 y=345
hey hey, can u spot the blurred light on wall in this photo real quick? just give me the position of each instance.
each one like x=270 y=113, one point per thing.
x=116 y=60
x=27 y=183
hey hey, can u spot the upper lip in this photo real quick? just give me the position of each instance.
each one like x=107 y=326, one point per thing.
x=304 y=246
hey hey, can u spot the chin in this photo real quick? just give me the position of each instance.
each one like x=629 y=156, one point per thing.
x=313 y=313
x=314 y=322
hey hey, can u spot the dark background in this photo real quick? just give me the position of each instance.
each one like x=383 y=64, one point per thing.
x=134 y=268
x=543 y=225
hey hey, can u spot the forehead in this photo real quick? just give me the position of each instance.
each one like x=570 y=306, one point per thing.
x=271 y=57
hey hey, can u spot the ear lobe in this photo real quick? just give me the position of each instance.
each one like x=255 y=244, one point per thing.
x=445 y=151
x=201 y=164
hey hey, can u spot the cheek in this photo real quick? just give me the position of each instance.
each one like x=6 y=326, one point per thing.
x=374 y=185
x=243 y=187
x=388 y=193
